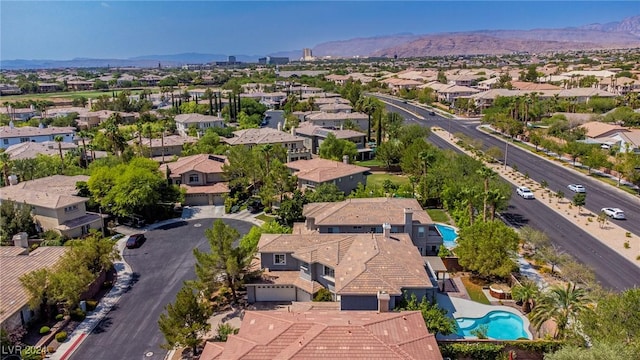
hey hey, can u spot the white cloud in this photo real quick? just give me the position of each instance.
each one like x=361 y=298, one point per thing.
x=104 y=5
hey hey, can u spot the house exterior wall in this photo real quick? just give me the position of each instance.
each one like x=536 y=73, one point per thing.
x=345 y=184
x=79 y=231
x=326 y=281
x=11 y=140
x=267 y=261
x=168 y=150
x=189 y=178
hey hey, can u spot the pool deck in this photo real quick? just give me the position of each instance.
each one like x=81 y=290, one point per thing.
x=459 y=307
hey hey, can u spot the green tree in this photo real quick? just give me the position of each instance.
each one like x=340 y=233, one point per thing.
x=552 y=255
x=390 y=153
x=368 y=105
x=224 y=261
x=525 y=292
x=334 y=149
x=15 y=218
x=534 y=239
x=596 y=159
x=598 y=351
x=290 y=210
x=435 y=318
x=487 y=248
x=59 y=139
x=38 y=286
x=615 y=319
x=579 y=200
x=563 y=304
x=323 y=295
x=186 y=320
x=486 y=174
x=326 y=192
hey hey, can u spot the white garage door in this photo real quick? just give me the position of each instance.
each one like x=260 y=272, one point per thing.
x=275 y=293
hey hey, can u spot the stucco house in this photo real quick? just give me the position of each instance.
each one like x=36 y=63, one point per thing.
x=11 y=135
x=314 y=172
x=338 y=120
x=202 y=177
x=199 y=121
x=168 y=146
x=315 y=135
x=262 y=136
x=331 y=334
x=55 y=204
x=355 y=268
x=367 y=216
x=14 y=299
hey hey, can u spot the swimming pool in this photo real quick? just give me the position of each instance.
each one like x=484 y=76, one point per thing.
x=449 y=235
x=502 y=325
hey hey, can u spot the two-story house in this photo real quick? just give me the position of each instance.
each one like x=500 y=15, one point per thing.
x=338 y=120
x=167 y=146
x=315 y=135
x=55 y=204
x=11 y=135
x=356 y=268
x=367 y=215
x=202 y=177
x=198 y=121
x=252 y=137
x=314 y=172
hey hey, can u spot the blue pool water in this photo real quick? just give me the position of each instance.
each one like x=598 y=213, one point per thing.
x=503 y=325
x=449 y=235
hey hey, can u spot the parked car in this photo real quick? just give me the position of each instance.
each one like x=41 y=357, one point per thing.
x=525 y=192
x=614 y=213
x=255 y=206
x=135 y=241
x=577 y=188
x=432 y=113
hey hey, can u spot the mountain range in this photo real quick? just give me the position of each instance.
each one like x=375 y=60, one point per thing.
x=613 y=35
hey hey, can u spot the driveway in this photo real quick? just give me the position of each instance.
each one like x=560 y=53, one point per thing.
x=160 y=266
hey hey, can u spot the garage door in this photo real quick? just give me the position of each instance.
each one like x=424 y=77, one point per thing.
x=218 y=200
x=275 y=293
x=196 y=199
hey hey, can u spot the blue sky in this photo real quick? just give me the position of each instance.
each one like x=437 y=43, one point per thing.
x=61 y=30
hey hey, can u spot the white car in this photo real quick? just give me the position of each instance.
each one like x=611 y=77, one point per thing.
x=614 y=213
x=577 y=188
x=525 y=192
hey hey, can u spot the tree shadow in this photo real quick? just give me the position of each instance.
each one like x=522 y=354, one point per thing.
x=173 y=225
x=103 y=325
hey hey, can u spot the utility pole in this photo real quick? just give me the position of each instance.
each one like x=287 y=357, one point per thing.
x=506 y=149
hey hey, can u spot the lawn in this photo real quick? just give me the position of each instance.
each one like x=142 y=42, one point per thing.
x=65 y=95
x=475 y=291
x=439 y=215
x=378 y=179
x=264 y=217
x=372 y=162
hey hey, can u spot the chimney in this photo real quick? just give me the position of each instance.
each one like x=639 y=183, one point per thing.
x=13 y=180
x=383 y=301
x=293 y=131
x=310 y=223
x=408 y=221
x=279 y=126
x=386 y=230
x=345 y=159
x=21 y=239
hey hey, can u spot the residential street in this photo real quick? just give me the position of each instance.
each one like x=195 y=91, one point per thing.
x=612 y=270
x=160 y=266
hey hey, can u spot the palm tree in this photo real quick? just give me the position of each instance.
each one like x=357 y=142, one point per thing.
x=525 y=292
x=486 y=174
x=428 y=158
x=367 y=105
x=208 y=95
x=149 y=129
x=562 y=304
x=266 y=150
x=5 y=162
x=59 y=139
x=494 y=198
x=139 y=129
x=83 y=134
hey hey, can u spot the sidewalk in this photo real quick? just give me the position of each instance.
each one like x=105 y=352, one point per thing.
x=124 y=273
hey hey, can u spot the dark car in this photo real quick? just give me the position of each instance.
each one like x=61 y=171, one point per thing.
x=255 y=206
x=432 y=113
x=135 y=241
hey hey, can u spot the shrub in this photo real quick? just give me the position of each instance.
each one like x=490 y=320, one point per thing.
x=77 y=315
x=627 y=234
x=59 y=317
x=224 y=330
x=61 y=336
x=51 y=350
x=91 y=305
x=323 y=295
x=44 y=330
x=31 y=353
x=626 y=245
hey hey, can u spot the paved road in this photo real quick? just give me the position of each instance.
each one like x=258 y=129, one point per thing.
x=612 y=270
x=160 y=267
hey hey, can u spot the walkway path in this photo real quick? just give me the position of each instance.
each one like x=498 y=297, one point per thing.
x=124 y=273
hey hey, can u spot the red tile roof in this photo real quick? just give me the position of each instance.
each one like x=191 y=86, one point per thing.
x=329 y=334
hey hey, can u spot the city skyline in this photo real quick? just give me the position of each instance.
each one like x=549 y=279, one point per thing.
x=124 y=29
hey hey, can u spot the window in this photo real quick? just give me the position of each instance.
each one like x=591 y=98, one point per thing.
x=24 y=139
x=350 y=177
x=5 y=141
x=329 y=272
x=71 y=208
x=279 y=259
x=194 y=178
x=357 y=228
x=304 y=266
x=421 y=231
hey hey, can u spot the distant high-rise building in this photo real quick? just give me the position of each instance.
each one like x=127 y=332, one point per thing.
x=232 y=59
x=307 y=55
x=273 y=60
